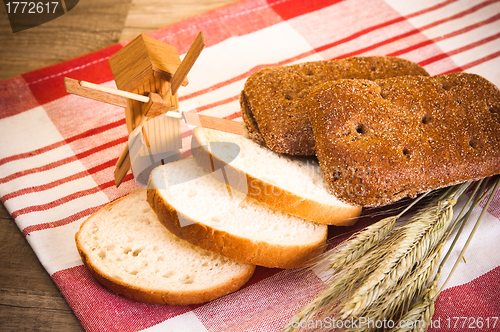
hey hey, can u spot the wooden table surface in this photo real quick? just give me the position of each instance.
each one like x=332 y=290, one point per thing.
x=29 y=300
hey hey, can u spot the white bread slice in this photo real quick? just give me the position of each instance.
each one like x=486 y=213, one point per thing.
x=205 y=212
x=127 y=249
x=291 y=184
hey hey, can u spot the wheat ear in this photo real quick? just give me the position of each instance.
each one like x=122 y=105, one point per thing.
x=359 y=243
x=412 y=243
x=342 y=256
x=421 y=313
x=398 y=299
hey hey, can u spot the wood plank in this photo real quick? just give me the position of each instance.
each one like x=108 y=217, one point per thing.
x=29 y=299
x=211 y=122
x=101 y=93
x=148 y=15
x=90 y=26
x=187 y=63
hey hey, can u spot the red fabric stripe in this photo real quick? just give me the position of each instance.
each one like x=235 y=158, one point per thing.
x=47 y=86
x=64 y=161
x=245 y=75
x=233 y=116
x=91 y=132
x=382 y=25
x=100 y=310
x=478 y=298
x=65 y=221
x=449 y=35
x=84 y=213
x=62 y=200
x=56 y=183
x=15 y=97
x=237 y=19
x=217 y=103
x=293 y=8
x=431 y=9
x=460 y=49
x=479 y=61
x=415 y=31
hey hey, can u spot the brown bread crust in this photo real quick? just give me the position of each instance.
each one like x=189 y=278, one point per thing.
x=380 y=141
x=230 y=245
x=272 y=101
x=157 y=297
x=274 y=196
x=144 y=294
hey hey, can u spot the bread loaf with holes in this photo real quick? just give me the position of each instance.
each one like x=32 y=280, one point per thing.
x=272 y=101
x=196 y=207
x=379 y=141
x=129 y=251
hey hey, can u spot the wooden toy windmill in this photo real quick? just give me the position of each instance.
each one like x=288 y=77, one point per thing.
x=148 y=74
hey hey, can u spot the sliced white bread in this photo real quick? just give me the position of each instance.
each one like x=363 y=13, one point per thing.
x=291 y=184
x=127 y=249
x=206 y=212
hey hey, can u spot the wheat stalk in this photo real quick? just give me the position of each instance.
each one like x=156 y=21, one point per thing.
x=408 y=245
x=354 y=272
x=341 y=257
x=412 y=243
x=420 y=314
x=344 y=256
x=378 y=272
x=418 y=318
x=361 y=242
x=397 y=300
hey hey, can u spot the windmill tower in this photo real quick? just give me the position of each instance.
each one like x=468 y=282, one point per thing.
x=145 y=65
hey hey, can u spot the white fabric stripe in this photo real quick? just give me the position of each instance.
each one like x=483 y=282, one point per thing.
x=481 y=255
x=35 y=161
x=223 y=110
x=187 y=322
x=469 y=37
x=55 y=247
x=50 y=195
x=61 y=211
x=477 y=53
x=236 y=56
x=27 y=131
x=460 y=23
x=225 y=92
x=408 y=7
x=44 y=177
x=210 y=97
x=489 y=70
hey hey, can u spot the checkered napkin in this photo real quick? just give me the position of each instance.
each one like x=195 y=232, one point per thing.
x=58 y=151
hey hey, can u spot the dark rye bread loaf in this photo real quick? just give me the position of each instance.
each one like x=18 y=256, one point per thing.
x=380 y=141
x=272 y=101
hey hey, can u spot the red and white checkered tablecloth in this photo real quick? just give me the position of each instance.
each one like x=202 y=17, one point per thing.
x=58 y=151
